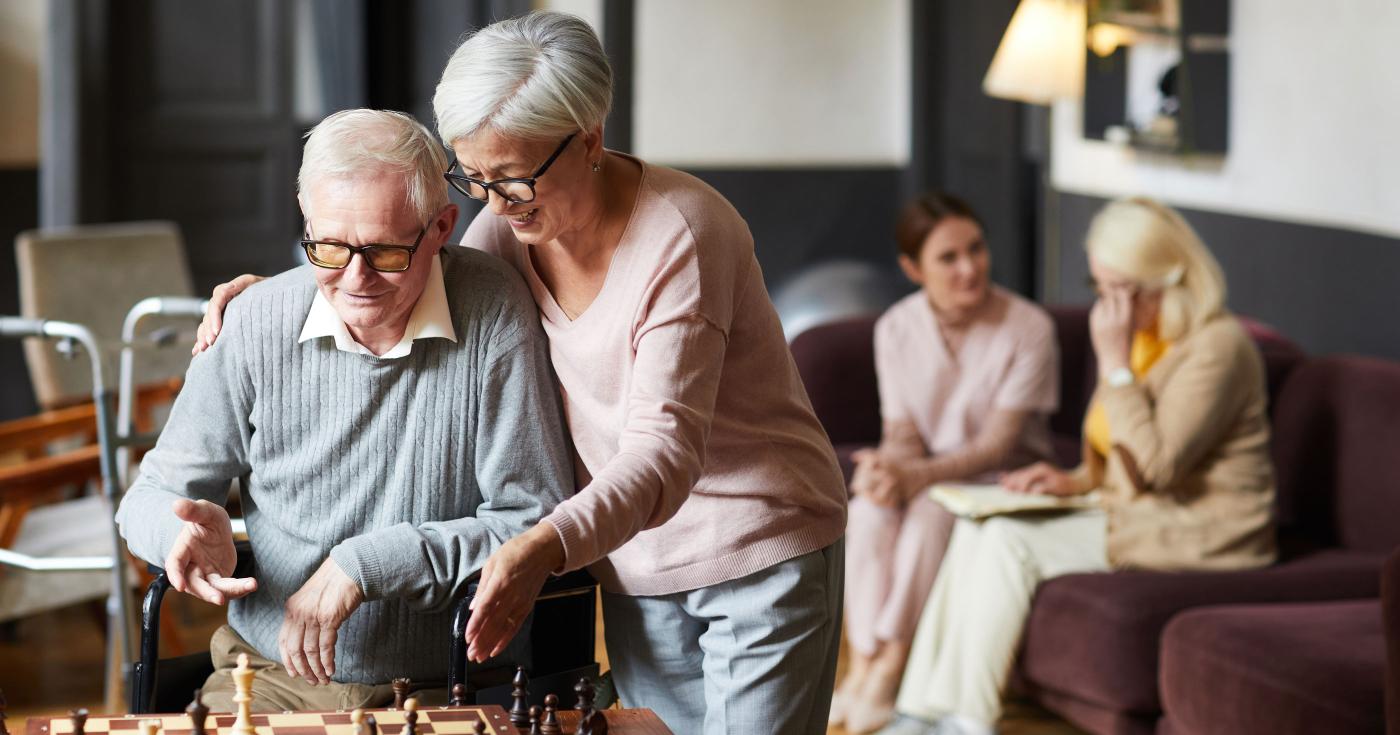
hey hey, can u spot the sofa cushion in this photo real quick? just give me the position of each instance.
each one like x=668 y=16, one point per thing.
x=1094 y=637
x=1335 y=453
x=1078 y=373
x=1280 y=355
x=837 y=363
x=1276 y=669
x=844 y=453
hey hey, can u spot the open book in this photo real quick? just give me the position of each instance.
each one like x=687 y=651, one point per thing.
x=982 y=501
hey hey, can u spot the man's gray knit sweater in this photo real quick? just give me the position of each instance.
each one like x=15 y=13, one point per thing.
x=407 y=472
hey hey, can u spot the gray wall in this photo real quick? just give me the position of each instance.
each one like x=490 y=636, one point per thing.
x=803 y=216
x=1330 y=290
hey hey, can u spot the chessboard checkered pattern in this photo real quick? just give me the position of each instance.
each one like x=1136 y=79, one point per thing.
x=431 y=721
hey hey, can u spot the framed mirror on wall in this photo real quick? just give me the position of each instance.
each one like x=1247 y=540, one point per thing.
x=1156 y=74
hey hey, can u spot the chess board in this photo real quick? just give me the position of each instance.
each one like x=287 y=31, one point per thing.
x=431 y=721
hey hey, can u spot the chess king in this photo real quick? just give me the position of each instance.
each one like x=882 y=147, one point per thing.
x=389 y=413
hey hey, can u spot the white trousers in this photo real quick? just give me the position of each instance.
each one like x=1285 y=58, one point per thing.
x=968 y=634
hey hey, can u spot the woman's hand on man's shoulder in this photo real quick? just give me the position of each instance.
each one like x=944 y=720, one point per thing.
x=214 y=315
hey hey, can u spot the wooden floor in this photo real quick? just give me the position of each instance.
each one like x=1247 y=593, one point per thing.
x=52 y=663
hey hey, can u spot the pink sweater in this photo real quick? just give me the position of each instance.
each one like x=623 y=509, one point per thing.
x=699 y=457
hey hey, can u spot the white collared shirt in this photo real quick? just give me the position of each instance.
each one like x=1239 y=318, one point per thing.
x=430 y=318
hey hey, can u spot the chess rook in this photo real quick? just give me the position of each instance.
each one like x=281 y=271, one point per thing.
x=401 y=689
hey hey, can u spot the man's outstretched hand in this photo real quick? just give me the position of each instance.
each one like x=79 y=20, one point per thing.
x=203 y=558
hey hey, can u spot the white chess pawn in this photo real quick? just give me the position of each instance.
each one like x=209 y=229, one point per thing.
x=410 y=716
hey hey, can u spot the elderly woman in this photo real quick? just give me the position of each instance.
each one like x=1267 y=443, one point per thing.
x=1176 y=441
x=711 y=506
x=967 y=375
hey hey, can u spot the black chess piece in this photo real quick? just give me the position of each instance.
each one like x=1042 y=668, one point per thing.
x=79 y=717
x=479 y=728
x=3 y=704
x=549 y=724
x=198 y=713
x=535 y=712
x=520 y=698
x=410 y=720
x=584 y=690
x=593 y=723
x=401 y=689
x=459 y=695
x=371 y=725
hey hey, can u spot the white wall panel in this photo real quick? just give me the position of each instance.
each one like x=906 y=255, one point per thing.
x=750 y=83
x=1314 y=124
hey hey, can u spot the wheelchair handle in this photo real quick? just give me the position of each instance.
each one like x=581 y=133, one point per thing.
x=18 y=326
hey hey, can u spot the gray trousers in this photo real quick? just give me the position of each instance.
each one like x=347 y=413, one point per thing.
x=755 y=654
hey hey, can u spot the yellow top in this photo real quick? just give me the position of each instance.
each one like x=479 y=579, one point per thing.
x=1147 y=349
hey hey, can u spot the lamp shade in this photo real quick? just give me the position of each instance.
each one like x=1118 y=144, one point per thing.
x=1041 y=57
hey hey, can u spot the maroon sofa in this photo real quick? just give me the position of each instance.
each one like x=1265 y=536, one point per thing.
x=837 y=363
x=1093 y=646
x=1390 y=618
x=1222 y=671
x=1338 y=495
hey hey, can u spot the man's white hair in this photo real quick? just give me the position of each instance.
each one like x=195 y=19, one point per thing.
x=356 y=144
x=537 y=77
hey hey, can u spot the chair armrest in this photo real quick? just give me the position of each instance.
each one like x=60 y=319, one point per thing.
x=144 y=672
x=565 y=584
x=241 y=568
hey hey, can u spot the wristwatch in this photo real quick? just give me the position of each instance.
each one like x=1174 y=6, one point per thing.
x=1120 y=377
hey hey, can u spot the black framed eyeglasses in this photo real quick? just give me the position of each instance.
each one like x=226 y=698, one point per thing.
x=382 y=257
x=518 y=191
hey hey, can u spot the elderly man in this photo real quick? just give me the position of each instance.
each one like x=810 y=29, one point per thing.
x=389 y=414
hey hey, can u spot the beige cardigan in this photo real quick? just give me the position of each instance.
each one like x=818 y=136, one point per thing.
x=1189 y=483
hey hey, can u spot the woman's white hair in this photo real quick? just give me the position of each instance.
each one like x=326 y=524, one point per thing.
x=1151 y=244
x=354 y=144
x=537 y=77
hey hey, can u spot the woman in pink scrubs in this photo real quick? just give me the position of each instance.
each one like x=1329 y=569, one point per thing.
x=968 y=376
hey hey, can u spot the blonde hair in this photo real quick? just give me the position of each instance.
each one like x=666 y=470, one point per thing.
x=371 y=143
x=1151 y=244
x=540 y=76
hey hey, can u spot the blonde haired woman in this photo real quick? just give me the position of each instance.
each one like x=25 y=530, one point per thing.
x=1176 y=442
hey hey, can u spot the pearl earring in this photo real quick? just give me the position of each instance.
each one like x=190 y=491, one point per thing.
x=597 y=167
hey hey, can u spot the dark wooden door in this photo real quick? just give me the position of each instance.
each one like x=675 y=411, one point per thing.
x=202 y=129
